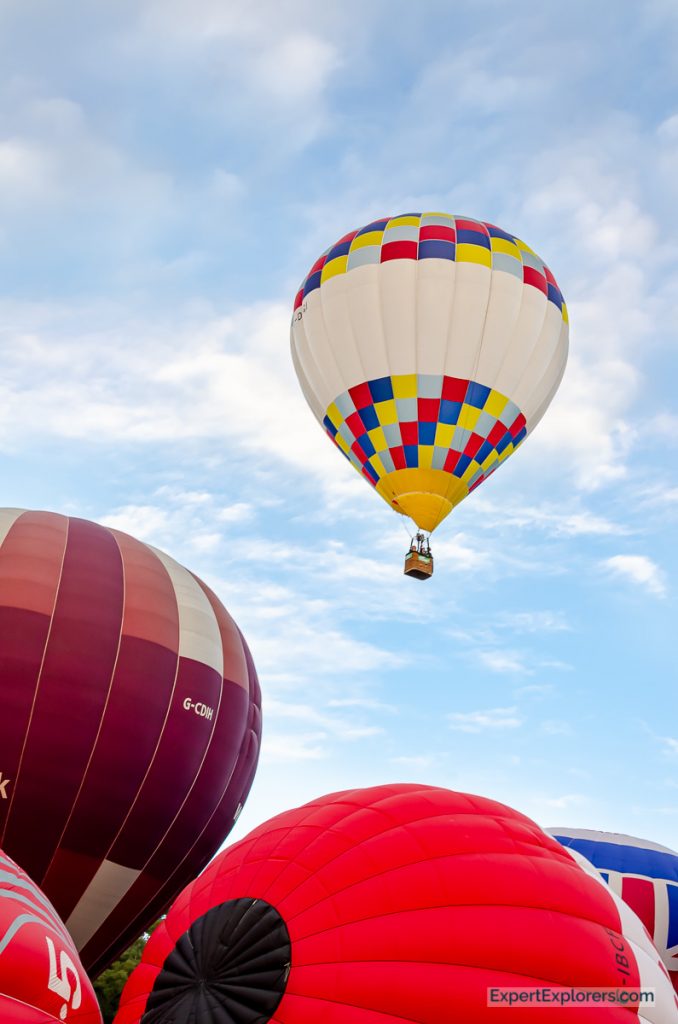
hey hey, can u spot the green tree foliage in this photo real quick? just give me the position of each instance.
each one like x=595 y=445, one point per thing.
x=110 y=983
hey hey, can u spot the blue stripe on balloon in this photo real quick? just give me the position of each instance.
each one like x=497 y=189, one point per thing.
x=629 y=860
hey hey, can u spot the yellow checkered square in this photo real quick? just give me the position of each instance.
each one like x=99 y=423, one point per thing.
x=342 y=444
x=425 y=456
x=387 y=412
x=444 y=434
x=503 y=245
x=334 y=267
x=405 y=385
x=495 y=404
x=468 y=417
x=469 y=253
x=335 y=416
x=369 y=238
x=378 y=439
x=489 y=461
x=470 y=471
x=396 y=222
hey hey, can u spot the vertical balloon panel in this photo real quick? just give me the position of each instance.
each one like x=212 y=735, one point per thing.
x=129 y=696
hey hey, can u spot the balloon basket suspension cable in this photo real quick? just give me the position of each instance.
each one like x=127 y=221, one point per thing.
x=419 y=560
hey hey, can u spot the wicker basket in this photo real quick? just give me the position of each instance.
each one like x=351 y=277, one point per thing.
x=419 y=566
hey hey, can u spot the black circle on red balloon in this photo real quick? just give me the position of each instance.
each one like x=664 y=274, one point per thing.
x=230 y=967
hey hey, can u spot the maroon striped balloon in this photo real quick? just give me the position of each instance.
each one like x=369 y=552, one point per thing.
x=130 y=724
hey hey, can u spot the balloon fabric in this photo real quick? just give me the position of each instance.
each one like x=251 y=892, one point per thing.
x=428 y=347
x=42 y=980
x=392 y=904
x=130 y=723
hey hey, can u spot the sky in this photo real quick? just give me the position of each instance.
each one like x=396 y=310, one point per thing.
x=168 y=173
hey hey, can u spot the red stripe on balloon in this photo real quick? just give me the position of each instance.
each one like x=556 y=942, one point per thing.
x=150 y=611
x=184 y=740
x=233 y=796
x=111 y=781
x=640 y=896
x=31 y=556
x=77 y=671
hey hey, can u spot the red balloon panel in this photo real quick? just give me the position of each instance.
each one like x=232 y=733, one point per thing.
x=132 y=707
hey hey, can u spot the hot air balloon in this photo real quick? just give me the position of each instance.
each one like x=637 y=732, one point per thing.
x=644 y=874
x=428 y=346
x=41 y=978
x=376 y=906
x=130 y=723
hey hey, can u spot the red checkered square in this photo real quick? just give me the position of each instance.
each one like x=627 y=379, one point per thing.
x=361 y=395
x=357 y=450
x=454 y=389
x=537 y=280
x=355 y=424
x=452 y=460
x=473 y=444
x=398 y=456
x=471 y=225
x=437 y=231
x=517 y=425
x=399 y=251
x=318 y=265
x=496 y=434
x=428 y=410
x=409 y=433
x=346 y=238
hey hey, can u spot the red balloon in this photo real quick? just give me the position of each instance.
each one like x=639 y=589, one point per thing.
x=399 y=903
x=130 y=724
x=41 y=977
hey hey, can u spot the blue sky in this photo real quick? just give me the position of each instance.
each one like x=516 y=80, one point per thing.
x=168 y=173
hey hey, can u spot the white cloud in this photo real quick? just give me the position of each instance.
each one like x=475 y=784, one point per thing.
x=534 y=690
x=238 y=512
x=461 y=552
x=310 y=746
x=413 y=760
x=663 y=426
x=57 y=159
x=145 y=522
x=668 y=129
x=561 y=803
x=503 y=661
x=298 y=641
x=139 y=383
x=639 y=569
x=553 y=520
x=535 y=622
x=367 y=703
x=25 y=171
x=334 y=725
x=555 y=727
x=481 y=721
x=295 y=68
x=670 y=745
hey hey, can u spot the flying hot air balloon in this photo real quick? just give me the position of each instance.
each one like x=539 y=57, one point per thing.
x=644 y=874
x=41 y=978
x=130 y=723
x=428 y=346
x=395 y=904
